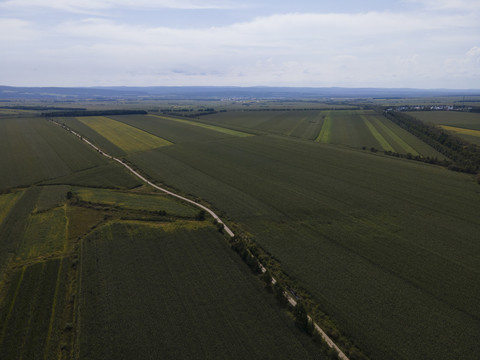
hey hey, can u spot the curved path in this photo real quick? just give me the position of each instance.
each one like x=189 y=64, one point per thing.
x=141 y=177
x=289 y=297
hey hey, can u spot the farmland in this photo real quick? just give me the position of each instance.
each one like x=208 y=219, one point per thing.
x=205 y=303
x=34 y=150
x=353 y=128
x=340 y=220
x=48 y=303
x=463 y=124
x=125 y=137
x=128 y=200
x=386 y=247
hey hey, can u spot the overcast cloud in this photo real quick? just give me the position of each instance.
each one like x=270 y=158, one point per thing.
x=405 y=43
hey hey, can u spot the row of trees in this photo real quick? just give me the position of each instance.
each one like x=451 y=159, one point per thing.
x=251 y=254
x=93 y=113
x=464 y=156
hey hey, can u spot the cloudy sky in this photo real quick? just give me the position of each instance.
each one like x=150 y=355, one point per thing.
x=318 y=43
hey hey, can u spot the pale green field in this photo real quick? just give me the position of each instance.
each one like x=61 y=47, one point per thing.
x=125 y=137
x=46 y=234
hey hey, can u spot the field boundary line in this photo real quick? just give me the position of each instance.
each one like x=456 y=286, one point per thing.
x=290 y=299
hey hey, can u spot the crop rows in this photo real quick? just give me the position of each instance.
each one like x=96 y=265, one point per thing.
x=127 y=138
x=111 y=175
x=193 y=298
x=398 y=237
x=92 y=135
x=174 y=131
x=453 y=118
x=354 y=128
x=14 y=225
x=205 y=126
x=34 y=150
x=30 y=315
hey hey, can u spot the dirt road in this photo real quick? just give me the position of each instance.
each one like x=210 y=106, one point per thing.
x=290 y=298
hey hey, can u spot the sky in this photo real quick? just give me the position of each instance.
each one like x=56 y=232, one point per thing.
x=313 y=43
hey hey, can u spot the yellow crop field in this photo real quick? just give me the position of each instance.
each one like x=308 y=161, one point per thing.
x=207 y=126
x=462 y=131
x=126 y=137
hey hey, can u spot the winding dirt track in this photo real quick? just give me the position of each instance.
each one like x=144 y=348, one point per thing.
x=289 y=297
x=141 y=177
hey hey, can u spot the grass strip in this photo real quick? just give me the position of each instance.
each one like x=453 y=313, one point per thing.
x=396 y=138
x=381 y=140
x=326 y=131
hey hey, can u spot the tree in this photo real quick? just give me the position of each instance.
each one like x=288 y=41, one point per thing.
x=200 y=215
x=267 y=278
x=301 y=317
x=279 y=293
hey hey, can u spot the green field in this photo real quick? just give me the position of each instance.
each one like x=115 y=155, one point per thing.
x=50 y=310
x=110 y=175
x=92 y=135
x=193 y=299
x=206 y=126
x=463 y=124
x=127 y=138
x=174 y=131
x=352 y=128
x=94 y=265
x=6 y=203
x=459 y=119
x=34 y=150
x=398 y=236
x=31 y=313
x=135 y=201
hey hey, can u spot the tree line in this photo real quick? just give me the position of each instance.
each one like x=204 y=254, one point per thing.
x=93 y=113
x=463 y=156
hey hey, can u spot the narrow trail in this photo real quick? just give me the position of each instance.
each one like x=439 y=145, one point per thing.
x=141 y=177
x=289 y=297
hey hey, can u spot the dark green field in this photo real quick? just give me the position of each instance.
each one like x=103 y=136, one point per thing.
x=147 y=293
x=387 y=247
x=34 y=150
x=399 y=237
x=158 y=267
x=352 y=128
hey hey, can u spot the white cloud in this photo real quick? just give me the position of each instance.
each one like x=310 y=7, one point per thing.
x=94 y=6
x=365 y=49
x=449 y=5
x=13 y=30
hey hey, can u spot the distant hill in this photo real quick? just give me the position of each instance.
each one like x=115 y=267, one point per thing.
x=216 y=92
